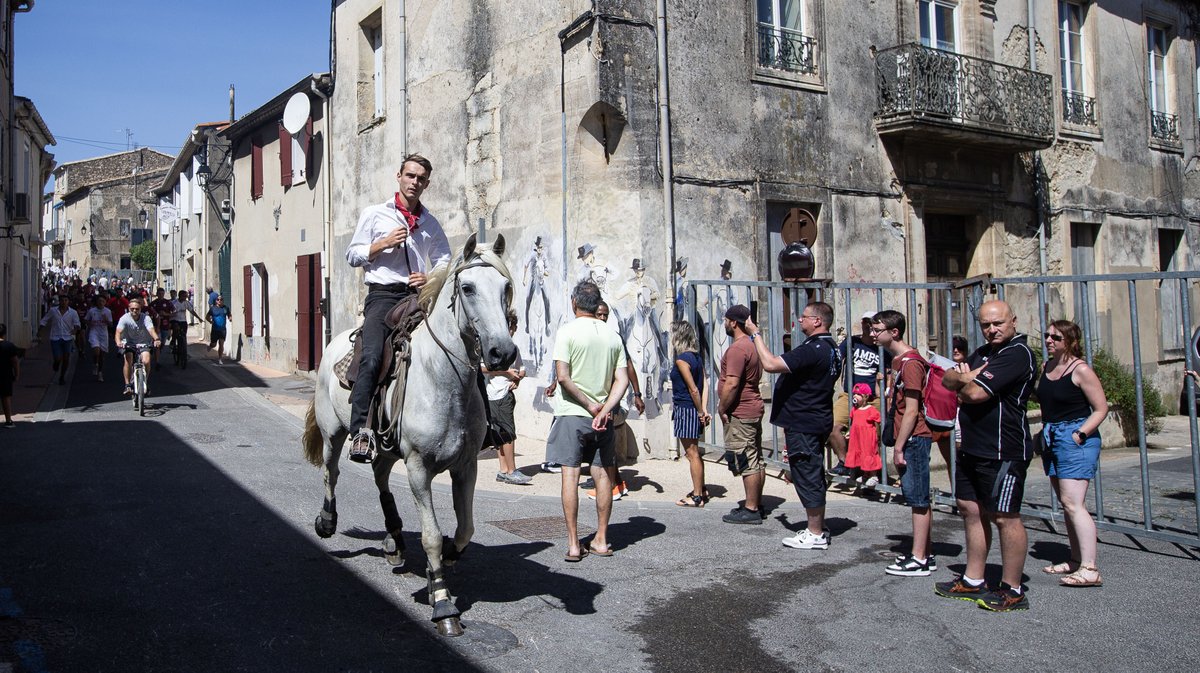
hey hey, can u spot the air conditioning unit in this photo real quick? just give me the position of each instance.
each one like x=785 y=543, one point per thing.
x=20 y=207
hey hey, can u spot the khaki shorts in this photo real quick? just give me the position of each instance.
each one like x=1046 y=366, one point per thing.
x=841 y=411
x=743 y=436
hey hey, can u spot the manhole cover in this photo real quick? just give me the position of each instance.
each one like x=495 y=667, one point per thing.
x=540 y=528
x=201 y=438
x=47 y=632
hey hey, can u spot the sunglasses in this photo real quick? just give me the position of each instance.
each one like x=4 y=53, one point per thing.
x=1053 y=337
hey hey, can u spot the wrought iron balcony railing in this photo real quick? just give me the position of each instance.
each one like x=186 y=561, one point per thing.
x=922 y=85
x=786 y=49
x=1164 y=127
x=1078 y=109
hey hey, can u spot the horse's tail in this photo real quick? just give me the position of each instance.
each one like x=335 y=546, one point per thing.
x=313 y=442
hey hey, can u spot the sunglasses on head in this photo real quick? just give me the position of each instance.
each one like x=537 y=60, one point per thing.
x=1053 y=337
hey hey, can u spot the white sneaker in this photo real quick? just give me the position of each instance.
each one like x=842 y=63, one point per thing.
x=806 y=540
x=871 y=483
x=100 y=376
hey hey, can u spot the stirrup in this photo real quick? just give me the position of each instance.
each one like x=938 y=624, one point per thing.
x=362 y=449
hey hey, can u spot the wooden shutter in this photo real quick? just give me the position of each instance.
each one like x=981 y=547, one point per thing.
x=318 y=321
x=247 y=298
x=285 y=157
x=256 y=169
x=304 y=316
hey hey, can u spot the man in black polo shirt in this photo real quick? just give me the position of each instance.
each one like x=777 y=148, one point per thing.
x=993 y=388
x=803 y=407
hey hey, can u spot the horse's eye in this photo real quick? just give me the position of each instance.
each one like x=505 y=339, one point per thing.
x=467 y=288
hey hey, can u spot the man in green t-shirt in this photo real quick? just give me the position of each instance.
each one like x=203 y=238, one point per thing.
x=589 y=360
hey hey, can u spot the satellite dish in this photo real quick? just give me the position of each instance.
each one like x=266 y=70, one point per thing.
x=295 y=113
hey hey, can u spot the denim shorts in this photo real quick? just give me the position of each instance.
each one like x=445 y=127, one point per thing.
x=1063 y=458
x=914 y=481
x=61 y=347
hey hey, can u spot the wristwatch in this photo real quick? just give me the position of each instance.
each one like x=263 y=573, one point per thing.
x=637 y=395
x=752 y=336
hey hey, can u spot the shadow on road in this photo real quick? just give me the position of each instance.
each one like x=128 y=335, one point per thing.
x=156 y=559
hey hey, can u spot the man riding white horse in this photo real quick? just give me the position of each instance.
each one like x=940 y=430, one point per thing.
x=396 y=243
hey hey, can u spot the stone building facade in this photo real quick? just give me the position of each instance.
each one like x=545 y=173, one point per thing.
x=914 y=140
x=281 y=216
x=100 y=204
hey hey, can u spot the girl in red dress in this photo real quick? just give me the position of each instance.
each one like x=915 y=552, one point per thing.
x=863 y=453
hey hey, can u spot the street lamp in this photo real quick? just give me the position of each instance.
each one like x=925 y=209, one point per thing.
x=203 y=173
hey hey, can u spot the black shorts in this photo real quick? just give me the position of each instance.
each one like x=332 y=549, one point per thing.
x=806 y=451
x=997 y=485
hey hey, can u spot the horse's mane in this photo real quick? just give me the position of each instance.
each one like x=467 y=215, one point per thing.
x=436 y=279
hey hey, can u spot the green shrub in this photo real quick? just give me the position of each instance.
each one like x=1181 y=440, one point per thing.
x=1121 y=390
x=142 y=254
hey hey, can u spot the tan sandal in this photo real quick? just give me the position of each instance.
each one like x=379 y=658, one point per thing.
x=1086 y=576
x=1065 y=568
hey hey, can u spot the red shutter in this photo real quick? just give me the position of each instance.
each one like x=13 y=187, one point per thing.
x=308 y=158
x=256 y=169
x=248 y=298
x=304 y=316
x=285 y=157
x=319 y=318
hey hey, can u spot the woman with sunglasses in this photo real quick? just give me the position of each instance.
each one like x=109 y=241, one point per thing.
x=1073 y=406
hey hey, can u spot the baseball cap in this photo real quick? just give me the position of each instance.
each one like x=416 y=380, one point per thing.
x=738 y=313
x=869 y=315
x=862 y=389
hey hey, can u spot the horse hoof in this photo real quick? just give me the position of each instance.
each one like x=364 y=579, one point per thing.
x=450 y=627
x=393 y=554
x=325 y=527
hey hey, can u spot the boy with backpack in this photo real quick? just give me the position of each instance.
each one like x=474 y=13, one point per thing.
x=912 y=440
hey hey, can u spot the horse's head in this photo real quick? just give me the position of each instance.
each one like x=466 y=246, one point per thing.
x=483 y=293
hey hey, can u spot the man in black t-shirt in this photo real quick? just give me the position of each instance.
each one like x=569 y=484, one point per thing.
x=10 y=371
x=993 y=388
x=803 y=407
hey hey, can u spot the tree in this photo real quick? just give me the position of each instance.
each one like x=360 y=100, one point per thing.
x=143 y=255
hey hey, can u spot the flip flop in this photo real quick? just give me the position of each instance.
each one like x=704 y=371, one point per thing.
x=571 y=558
x=596 y=552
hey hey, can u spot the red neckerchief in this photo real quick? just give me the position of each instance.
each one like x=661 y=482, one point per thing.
x=409 y=217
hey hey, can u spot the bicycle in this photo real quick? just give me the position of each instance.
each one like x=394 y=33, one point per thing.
x=179 y=344
x=138 y=378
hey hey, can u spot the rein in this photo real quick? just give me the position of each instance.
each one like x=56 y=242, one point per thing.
x=478 y=262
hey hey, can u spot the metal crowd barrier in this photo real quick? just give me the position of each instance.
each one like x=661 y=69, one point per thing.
x=1036 y=299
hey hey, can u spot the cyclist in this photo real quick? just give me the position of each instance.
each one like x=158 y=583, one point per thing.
x=162 y=310
x=135 y=328
x=183 y=306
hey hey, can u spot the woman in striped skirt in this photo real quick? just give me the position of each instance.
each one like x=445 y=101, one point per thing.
x=689 y=406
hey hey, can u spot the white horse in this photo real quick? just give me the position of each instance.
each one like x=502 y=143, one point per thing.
x=444 y=413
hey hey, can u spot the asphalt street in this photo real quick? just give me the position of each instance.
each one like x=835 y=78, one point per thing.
x=183 y=541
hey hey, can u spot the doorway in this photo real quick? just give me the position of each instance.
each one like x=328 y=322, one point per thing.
x=948 y=251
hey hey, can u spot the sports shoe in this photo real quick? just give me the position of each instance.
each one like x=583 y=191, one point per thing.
x=551 y=467
x=958 y=588
x=362 y=450
x=806 y=540
x=744 y=516
x=840 y=470
x=908 y=566
x=931 y=561
x=1003 y=600
x=871 y=483
x=588 y=483
x=616 y=494
x=100 y=376
x=10 y=424
x=518 y=478
x=623 y=487
x=128 y=389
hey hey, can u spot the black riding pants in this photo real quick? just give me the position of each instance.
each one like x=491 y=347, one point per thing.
x=380 y=300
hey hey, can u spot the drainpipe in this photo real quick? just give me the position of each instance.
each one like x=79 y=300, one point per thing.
x=327 y=221
x=402 y=49
x=1037 y=159
x=664 y=145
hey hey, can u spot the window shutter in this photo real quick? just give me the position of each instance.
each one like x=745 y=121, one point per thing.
x=247 y=293
x=256 y=169
x=285 y=157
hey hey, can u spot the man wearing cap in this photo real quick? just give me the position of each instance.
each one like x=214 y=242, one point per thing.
x=741 y=408
x=396 y=243
x=865 y=368
x=803 y=407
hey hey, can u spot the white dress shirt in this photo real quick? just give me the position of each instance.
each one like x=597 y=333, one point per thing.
x=62 y=325
x=425 y=248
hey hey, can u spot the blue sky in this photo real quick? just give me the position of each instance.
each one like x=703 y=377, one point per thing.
x=94 y=68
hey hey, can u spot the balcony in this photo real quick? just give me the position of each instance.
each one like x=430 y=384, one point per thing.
x=933 y=95
x=786 y=49
x=1164 y=128
x=1078 y=109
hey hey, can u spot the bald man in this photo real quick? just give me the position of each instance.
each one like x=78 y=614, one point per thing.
x=993 y=388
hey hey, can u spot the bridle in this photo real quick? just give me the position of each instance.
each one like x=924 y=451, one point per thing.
x=470 y=329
